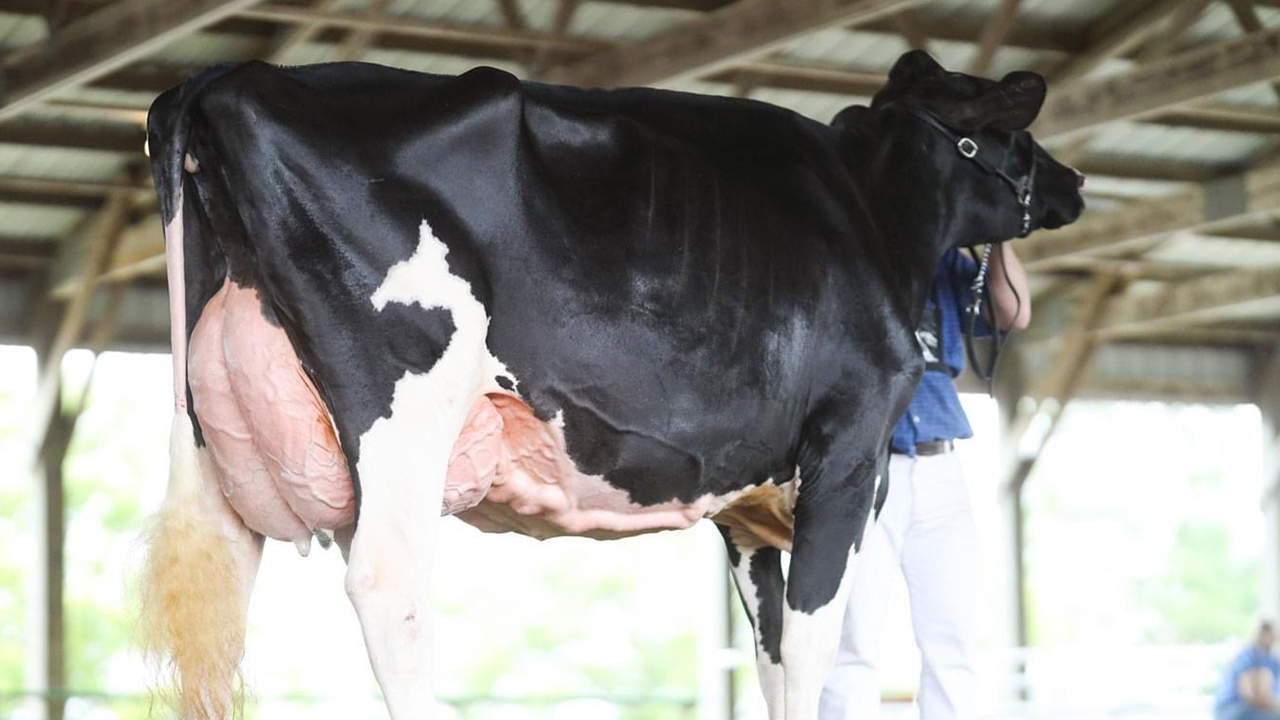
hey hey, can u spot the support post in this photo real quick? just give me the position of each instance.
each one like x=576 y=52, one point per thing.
x=46 y=658
x=1010 y=389
x=1267 y=395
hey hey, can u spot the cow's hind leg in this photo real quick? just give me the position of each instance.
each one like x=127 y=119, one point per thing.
x=831 y=516
x=199 y=571
x=757 y=572
x=402 y=463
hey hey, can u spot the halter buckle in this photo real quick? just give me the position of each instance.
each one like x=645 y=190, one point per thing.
x=967 y=147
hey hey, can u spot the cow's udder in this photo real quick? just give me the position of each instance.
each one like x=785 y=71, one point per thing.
x=265 y=427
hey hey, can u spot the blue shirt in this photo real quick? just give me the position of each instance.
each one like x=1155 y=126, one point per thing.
x=935 y=412
x=1251 y=658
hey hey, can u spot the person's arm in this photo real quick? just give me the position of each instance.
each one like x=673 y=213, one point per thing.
x=1006 y=270
x=1256 y=687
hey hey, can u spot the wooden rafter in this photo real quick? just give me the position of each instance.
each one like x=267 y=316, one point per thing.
x=139 y=253
x=298 y=35
x=1114 y=166
x=565 y=12
x=908 y=26
x=102 y=241
x=1060 y=381
x=1195 y=299
x=1123 y=37
x=1224 y=202
x=512 y=13
x=1165 y=41
x=1148 y=89
x=738 y=32
x=969 y=31
x=1247 y=17
x=472 y=40
x=358 y=42
x=1226 y=118
x=807 y=77
x=103 y=41
x=120 y=139
x=993 y=36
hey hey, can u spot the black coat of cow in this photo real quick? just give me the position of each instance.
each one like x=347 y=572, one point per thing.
x=714 y=293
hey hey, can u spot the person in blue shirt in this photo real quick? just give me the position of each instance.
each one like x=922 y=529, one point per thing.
x=1249 y=685
x=925 y=529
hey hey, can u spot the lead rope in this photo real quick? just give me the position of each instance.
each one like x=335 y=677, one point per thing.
x=978 y=291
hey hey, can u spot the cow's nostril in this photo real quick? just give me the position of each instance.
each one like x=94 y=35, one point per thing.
x=1079 y=179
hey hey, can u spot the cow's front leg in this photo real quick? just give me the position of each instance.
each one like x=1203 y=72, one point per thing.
x=757 y=572
x=831 y=516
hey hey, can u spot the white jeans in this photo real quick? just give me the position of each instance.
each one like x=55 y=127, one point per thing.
x=925 y=531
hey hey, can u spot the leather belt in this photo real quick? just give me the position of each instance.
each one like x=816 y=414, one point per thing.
x=934 y=447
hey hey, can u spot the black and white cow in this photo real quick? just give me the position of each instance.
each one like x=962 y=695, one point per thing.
x=551 y=311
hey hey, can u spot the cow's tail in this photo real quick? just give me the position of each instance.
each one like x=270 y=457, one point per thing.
x=193 y=600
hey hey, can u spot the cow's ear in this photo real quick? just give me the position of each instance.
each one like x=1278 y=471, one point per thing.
x=850 y=116
x=1013 y=103
x=914 y=65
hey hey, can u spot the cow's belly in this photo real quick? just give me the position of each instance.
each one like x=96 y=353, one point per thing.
x=522 y=480
x=278 y=461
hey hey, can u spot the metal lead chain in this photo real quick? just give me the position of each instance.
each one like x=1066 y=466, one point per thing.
x=1025 y=200
x=979 y=282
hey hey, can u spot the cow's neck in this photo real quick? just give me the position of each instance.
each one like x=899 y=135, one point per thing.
x=913 y=226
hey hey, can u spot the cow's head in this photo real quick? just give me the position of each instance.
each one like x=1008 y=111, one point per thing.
x=969 y=134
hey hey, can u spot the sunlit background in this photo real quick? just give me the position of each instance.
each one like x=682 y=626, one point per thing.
x=1143 y=552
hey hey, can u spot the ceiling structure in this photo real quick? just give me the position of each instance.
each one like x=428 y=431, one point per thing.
x=1168 y=287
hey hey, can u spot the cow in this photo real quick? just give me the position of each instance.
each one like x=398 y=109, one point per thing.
x=552 y=311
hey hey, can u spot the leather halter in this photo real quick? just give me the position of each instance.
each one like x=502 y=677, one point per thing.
x=1023 y=188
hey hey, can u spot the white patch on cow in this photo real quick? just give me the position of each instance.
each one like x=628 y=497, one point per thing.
x=809 y=645
x=402 y=467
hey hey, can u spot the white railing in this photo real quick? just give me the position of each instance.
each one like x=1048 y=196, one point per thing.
x=1149 y=682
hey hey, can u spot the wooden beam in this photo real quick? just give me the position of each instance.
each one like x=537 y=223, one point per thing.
x=1192 y=299
x=1131 y=168
x=1224 y=202
x=1048 y=39
x=1124 y=37
x=102 y=242
x=908 y=26
x=1057 y=383
x=359 y=41
x=27 y=253
x=560 y=25
x=107 y=138
x=479 y=38
x=42 y=191
x=298 y=35
x=139 y=252
x=738 y=32
x=1193 y=335
x=993 y=36
x=1247 y=17
x=1164 y=42
x=1225 y=118
x=93 y=46
x=99 y=112
x=808 y=77
x=1153 y=87
x=512 y=14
